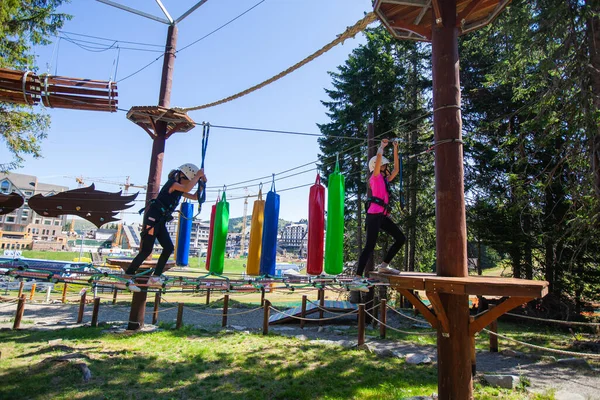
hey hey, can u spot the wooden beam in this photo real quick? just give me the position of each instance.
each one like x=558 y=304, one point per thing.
x=423 y=309
x=466 y=12
x=419 y=30
x=440 y=312
x=175 y=129
x=143 y=126
x=492 y=314
x=437 y=13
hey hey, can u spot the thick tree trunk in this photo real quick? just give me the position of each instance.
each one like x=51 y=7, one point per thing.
x=593 y=30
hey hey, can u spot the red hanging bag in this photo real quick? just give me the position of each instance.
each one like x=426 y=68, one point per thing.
x=316 y=228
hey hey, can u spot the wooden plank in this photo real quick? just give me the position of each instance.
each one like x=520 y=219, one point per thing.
x=77 y=90
x=423 y=309
x=494 y=313
x=444 y=286
x=440 y=312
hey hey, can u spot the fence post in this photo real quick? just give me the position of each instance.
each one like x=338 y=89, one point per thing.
x=225 y=306
x=21 y=285
x=48 y=291
x=494 y=328
x=157 y=297
x=207 y=296
x=383 y=317
x=19 y=314
x=179 y=316
x=115 y=291
x=267 y=310
x=321 y=305
x=81 y=306
x=361 y=324
x=32 y=293
x=64 y=294
x=303 y=313
x=95 y=312
x=262 y=296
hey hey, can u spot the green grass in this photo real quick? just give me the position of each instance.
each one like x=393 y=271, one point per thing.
x=54 y=255
x=195 y=364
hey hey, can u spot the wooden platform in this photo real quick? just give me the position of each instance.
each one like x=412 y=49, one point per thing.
x=330 y=305
x=124 y=263
x=473 y=285
x=517 y=292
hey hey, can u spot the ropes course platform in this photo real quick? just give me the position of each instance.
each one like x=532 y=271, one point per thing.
x=311 y=308
x=516 y=291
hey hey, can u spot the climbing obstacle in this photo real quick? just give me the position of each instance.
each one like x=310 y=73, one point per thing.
x=27 y=88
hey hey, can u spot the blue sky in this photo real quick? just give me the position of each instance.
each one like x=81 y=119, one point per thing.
x=262 y=43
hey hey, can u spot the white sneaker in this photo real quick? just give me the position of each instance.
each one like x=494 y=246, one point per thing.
x=385 y=269
x=156 y=281
x=132 y=286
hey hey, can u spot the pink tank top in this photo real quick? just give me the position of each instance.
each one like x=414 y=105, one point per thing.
x=378 y=189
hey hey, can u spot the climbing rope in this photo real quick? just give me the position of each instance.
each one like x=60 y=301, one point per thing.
x=348 y=33
x=556 y=321
x=533 y=346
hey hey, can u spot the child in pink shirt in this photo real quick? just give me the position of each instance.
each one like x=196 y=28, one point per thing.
x=378 y=212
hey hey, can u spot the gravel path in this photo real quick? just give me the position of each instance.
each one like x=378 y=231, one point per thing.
x=570 y=381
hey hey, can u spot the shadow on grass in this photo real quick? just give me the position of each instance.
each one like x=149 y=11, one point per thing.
x=192 y=364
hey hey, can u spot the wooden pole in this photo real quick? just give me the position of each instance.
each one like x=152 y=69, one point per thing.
x=156 y=307
x=494 y=328
x=138 y=303
x=64 y=294
x=95 y=312
x=225 y=307
x=454 y=355
x=262 y=296
x=267 y=311
x=383 y=317
x=115 y=292
x=19 y=313
x=21 y=286
x=303 y=313
x=321 y=305
x=32 y=292
x=81 y=307
x=361 y=324
x=179 y=316
x=473 y=352
x=207 y=296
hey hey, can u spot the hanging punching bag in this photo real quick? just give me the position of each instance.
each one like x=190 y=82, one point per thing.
x=183 y=233
x=316 y=228
x=217 y=257
x=269 y=238
x=211 y=231
x=256 y=232
x=334 y=245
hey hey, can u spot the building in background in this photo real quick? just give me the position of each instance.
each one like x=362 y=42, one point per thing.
x=25 y=229
x=198 y=236
x=294 y=237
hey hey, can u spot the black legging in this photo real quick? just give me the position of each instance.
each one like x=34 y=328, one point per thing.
x=375 y=223
x=162 y=235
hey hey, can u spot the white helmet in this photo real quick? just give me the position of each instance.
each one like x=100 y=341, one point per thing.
x=189 y=170
x=373 y=160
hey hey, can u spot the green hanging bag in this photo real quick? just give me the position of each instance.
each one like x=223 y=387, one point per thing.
x=334 y=241
x=217 y=258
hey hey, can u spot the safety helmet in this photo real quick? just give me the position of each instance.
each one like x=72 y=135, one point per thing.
x=189 y=170
x=373 y=160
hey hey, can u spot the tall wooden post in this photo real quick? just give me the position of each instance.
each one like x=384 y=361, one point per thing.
x=81 y=307
x=454 y=355
x=494 y=328
x=63 y=299
x=138 y=303
x=225 y=308
x=21 y=286
x=266 y=314
x=303 y=313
